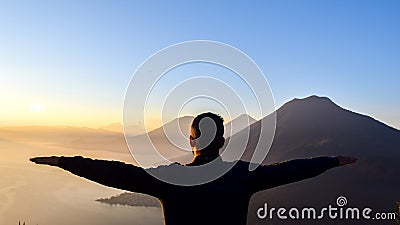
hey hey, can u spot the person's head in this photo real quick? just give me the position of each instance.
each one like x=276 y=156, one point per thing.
x=207 y=134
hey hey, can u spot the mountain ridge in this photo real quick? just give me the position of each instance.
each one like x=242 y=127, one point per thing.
x=316 y=126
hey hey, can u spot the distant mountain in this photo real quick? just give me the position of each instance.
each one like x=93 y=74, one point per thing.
x=316 y=126
x=170 y=140
x=238 y=124
x=231 y=127
x=181 y=124
x=119 y=128
x=115 y=127
x=170 y=151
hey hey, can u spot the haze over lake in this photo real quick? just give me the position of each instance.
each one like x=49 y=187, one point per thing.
x=46 y=195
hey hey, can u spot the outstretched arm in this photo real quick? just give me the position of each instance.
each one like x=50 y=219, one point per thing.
x=270 y=176
x=109 y=173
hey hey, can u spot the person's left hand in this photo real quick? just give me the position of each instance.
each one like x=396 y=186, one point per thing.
x=52 y=161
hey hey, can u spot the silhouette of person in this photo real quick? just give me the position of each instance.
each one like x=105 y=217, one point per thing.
x=222 y=201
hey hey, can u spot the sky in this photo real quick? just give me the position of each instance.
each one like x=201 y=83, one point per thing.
x=70 y=62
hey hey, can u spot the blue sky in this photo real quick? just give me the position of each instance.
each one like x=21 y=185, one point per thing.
x=75 y=58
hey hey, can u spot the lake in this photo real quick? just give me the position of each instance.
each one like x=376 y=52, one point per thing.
x=47 y=195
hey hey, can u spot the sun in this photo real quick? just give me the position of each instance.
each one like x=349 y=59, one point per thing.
x=37 y=107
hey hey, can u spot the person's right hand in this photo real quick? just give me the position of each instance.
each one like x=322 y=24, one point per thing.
x=52 y=161
x=344 y=160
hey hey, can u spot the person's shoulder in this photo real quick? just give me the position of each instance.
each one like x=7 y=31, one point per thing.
x=245 y=165
x=241 y=163
x=175 y=165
